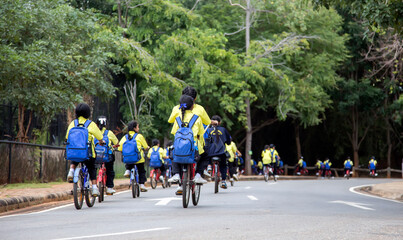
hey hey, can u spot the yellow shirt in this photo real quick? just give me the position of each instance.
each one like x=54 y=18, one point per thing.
x=300 y=162
x=93 y=131
x=141 y=143
x=266 y=156
x=260 y=165
x=197 y=109
x=161 y=151
x=198 y=130
x=273 y=155
x=113 y=140
x=231 y=149
x=318 y=164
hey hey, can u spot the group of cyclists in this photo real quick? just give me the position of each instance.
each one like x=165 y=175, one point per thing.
x=210 y=139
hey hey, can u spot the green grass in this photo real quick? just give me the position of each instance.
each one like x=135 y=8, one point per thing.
x=30 y=185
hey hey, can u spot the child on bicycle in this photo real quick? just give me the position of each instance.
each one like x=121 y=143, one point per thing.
x=301 y=166
x=319 y=166
x=327 y=164
x=274 y=158
x=232 y=163
x=372 y=165
x=218 y=137
x=156 y=150
x=186 y=107
x=348 y=164
x=266 y=156
x=83 y=112
x=113 y=140
x=133 y=128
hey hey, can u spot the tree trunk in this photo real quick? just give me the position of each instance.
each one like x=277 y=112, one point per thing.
x=297 y=140
x=21 y=128
x=389 y=142
x=248 y=145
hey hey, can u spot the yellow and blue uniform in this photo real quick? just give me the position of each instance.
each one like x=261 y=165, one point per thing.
x=348 y=164
x=161 y=152
x=141 y=143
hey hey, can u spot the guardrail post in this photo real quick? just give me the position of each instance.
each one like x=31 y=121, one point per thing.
x=286 y=169
x=40 y=163
x=9 y=162
x=402 y=167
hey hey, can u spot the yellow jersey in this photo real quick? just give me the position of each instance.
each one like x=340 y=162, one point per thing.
x=141 y=143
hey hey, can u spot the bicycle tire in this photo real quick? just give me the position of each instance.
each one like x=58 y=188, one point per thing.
x=133 y=185
x=137 y=189
x=196 y=194
x=78 y=192
x=266 y=174
x=232 y=183
x=186 y=188
x=101 y=192
x=216 y=178
x=153 y=181
x=164 y=183
x=89 y=199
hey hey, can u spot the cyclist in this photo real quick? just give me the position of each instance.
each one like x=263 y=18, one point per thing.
x=319 y=166
x=372 y=165
x=186 y=106
x=274 y=158
x=327 y=167
x=266 y=158
x=168 y=154
x=348 y=164
x=218 y=137
x=83 y=112
x=133 y=127
x=232 y=164
x=301 y=166
x=253 y=165
x=162 y=156
x=113 y=140
x=260 y=167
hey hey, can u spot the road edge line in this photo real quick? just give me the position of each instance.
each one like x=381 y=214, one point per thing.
x=352 y=189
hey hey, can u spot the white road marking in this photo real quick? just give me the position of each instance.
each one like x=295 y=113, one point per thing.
x=252 y=198
x=164 y=201
x=352 y=189
x=354 y=204
x=115 y=234
x=247 y=187
x=272 y=183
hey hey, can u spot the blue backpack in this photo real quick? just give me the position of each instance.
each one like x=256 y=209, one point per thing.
x=103 y=152
x=372 y=165
x=348 y=164
x=168 y=160
x=184 y=146
x=78 y=147
x=155 y=160
x=130 y=152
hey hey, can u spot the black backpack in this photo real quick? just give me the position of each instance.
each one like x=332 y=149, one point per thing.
x=215 y=146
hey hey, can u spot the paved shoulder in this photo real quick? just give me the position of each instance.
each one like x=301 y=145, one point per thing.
x=393 y=190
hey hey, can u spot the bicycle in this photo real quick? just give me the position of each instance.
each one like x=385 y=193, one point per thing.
x=348 y=173
x=372 y=173
x=154 y=178
x=189 y=185
x=134 y=182
x=82 y=187
x=267 y=171
x=216 y=172
x=168 y=175
x=328 y=173
x=101 y=182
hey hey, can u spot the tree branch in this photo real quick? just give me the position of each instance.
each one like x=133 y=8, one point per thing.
x=237 y=4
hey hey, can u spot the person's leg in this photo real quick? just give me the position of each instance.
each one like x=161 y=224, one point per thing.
x=142 y=173
x=223 y=167
x=275 y=169
x=202 y=163
x=232 y=168
x=110 y=174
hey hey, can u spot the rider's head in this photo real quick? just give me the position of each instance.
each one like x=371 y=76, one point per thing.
x=302 y=157
x=372 y=157
x=132 y=126
x=216 y=118
x=266 y=146
x=101 y=122
x=155 y=142
x=83 y=110
x=272 y=145
x=190 y=91
x=170 y=143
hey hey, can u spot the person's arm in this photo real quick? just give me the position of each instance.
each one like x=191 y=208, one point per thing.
x=174 y=114
x=227 y=136
x=112 y=138
x=94 y=130
x=68 y=129
x=123 y=140
x=161 y=152
x=143 y=142
x=149 y=153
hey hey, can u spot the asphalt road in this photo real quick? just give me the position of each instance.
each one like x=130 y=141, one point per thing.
x=310 y=209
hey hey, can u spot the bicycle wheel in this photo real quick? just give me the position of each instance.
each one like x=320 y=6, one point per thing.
x=196 y=194
x=78 y=191
x=89 y=199
x=133 y=185
x=216 y=178
x=153 y=181
x=101 y=192
x=266 y=174
x=186 y=187
x=138 y=189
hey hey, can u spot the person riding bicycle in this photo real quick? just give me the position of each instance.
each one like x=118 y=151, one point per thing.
x=133 y=127
x=372 y=165
x=186 y=106
x=327 y=167
x=274 y=158
x=232 y=163
x=218 y=136
x=113 y=140
x=319 y=166
x=168 y=154
x=160 y=152
x=301 y=166
x=83 y=112
x=348 y=164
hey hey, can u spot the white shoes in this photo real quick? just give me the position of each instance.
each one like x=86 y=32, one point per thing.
x=175 y=178
x=198 y=179
x=110 y=191
x=235 y=176
x=161 y=178
x=95 y=192
x=205 y=173
x=127 y=174
x=143 y=188
x=70 y=176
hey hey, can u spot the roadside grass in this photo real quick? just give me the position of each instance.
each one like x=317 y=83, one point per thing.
x=31 y=185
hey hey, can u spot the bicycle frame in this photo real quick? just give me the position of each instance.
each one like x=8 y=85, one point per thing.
x=102 y=174
x=134 y=174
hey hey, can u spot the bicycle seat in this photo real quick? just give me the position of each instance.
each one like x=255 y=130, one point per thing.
x=215 y=159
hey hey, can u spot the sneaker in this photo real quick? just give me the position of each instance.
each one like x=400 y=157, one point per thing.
x=231 y=179
x=224 y=185
x=95 y=192
x=175 y=178
x=376 y=174
x=345 y=175
x=198 y=179
x=179 y=191
x=161 y=179
x=276 y=176
x=127 y=173
x=143 y=188
x=209 y=168
x=235 y=176
x=70 y=176
x=206 y=174
x=110 y=191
